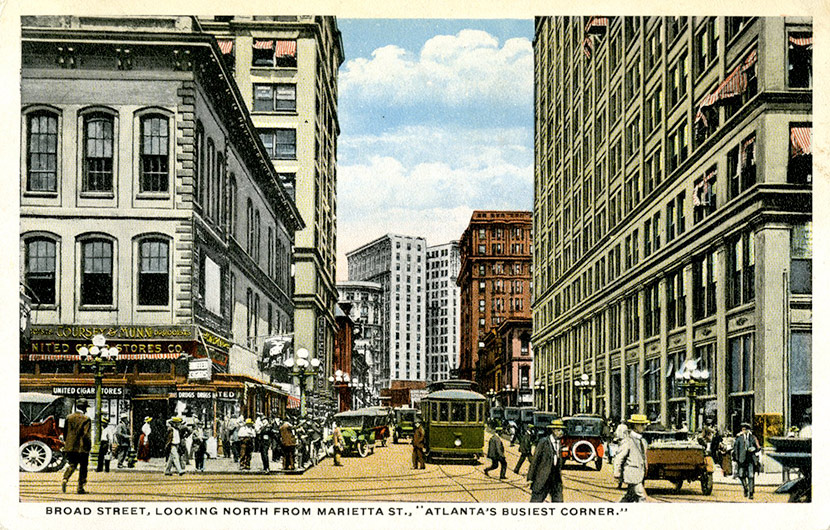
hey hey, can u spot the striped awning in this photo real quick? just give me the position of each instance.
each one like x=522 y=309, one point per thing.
x=286 y=48
x=596 y=25
x=705 y=103
x=293 y=402
x=121 y=357
x=736 y=82
x=225 y=45
x=263 y=44
x=801 y=140
x=801 y=41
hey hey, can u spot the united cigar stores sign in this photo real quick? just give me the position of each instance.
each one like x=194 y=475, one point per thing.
x=62 y=342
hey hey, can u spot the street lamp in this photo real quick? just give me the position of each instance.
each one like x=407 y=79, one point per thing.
x=341 y=380
x=585 y=386
x=693 y=381
x=100 y=359
x=537 y=389
x=302 y=369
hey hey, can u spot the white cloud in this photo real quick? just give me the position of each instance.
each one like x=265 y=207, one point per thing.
x=450 y=69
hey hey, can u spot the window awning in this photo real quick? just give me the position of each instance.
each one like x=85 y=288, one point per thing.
x=286 y=48
x=736 y=82
x=263 y=44
x=748 y=145
x=596 y=25
x=801 y=139
x=225 y=45
x=293 y=402
x=801 y=41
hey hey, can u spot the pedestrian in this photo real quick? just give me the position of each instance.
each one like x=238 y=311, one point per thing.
x=289 y=445
x=495 y=452
x=200 y=437
x=745 y=455
x=620 y=434
x=122 y=439
x=174 y=446
x=246 y=443
x=630 y=464
x=77 y=444
x=418 y=446
x=263 y=438
x=144 y=440
x=105 y=446
x=276 y=453
x=237 y=423
x=337 y=444
x=188 y=427
x=525 y=448
x=545 y=473
x=225 y=436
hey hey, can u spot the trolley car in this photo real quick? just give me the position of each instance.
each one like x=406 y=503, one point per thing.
x=453 y=416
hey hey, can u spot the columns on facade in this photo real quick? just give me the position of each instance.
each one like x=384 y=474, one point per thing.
x=641 y=351
x=690 y=317
x=623 y=368
x=719 y=370
x=607 y=374
x=662 y=300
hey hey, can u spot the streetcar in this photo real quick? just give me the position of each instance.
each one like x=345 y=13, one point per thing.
x=453 y=416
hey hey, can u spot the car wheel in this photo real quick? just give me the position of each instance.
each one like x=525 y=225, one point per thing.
x=34 y=456
x=583 y=451
x=58 y=461
x=362 y=449
x=394 y=438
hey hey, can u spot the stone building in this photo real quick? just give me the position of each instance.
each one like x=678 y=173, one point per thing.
x=443 y=317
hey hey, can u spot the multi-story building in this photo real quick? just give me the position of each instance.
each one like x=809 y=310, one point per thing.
x=443 y=317
x=397 y=263
x=673 y=217
x=494 y=280
x=150 y=214
x=506 y=362
x=286 y=68
x=368 y=313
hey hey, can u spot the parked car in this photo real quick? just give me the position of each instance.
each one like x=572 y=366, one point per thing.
x=405 y=423
x=541 y=420
x=495 y=418
x=358 y=430
x=582 y=440
x=42 y=418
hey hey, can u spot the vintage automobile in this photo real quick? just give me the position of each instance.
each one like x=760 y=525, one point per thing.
x=541 y=420
x=358 y=430
x=453 y=414
x=42 y=418
x=383 y=418
x=795 y=453
x=405 y=422
x=674 y=457
x=582 y=440
x=495 y=418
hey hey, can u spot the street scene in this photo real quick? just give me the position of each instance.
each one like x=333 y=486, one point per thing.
x=310 y=258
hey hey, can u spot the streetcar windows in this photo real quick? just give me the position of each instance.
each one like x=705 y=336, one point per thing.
x=458 y=412
x=444 y=412
x=434 y=411
x=471 y=412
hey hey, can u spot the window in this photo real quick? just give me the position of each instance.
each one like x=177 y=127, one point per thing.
x=231 y=207
x=632 y=318
x=735 y=25
x=280 y=144
x=654 y=111
x=652 y=309
x=674 y=27
x=42 y=152
x=680 y=210
x=707 y=118
x=280 y=97
x=632 y=378
x=800 y=374
x=226 y=46
x=199 y=164
x=651 y=377
x=653 y=48
x=740 y=85
x=670 y=220
x=655 y=231
x=706 y=45
x=632 y=80
x=678 y=146
x=154 y=163
x=675 y=300
x=96 y=272
x=740 y=380
x=251 y=230
x=704 y=285
x=678 y=77
x=41 y=270
x=800 y=168
x=801 y=256
x=97 y=165
x=800 y=60
x=741 y=270
x=706 y=360
x=270 y=53
x=632 y=192
x=632 y=137
x=153 y=272
x=704 y=196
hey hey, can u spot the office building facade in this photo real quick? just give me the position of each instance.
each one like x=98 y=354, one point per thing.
x=442 y=306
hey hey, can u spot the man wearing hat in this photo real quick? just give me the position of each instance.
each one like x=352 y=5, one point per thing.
x=122 y=439
x=545 y=473
x=525 y=448
x=106 y=445
x=77 y=444
x=246 y=443
x=175 y=444
x=289 y=445
x=630 y=462
x=418 y=446
x=745 y=454
x=495 y=452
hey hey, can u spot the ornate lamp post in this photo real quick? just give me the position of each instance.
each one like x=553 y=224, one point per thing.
x=341 y=380
x=585 y=386
x=537 y=394
x=693 y=381
x=302 y=370
x=99 y=359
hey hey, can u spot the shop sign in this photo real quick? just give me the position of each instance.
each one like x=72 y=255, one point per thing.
x=194 y=394
x=169 y=349
x=227 y=394
x=199 y=369
x=107 y=391
x=75 y=332
x=213 y=340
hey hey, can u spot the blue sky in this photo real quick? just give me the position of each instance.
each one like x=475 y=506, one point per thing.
x=436 y=121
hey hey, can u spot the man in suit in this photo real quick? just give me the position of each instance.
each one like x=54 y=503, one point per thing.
x=495 y=452
x=122 y=439
x=78 y=443
x=418 y=447
x=545 y=473
x=745 y=455
x=630 y=464
x=174 y=446
x=289 y=445
x=525 y=448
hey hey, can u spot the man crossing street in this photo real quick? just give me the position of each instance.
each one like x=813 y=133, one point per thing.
x=77 y=445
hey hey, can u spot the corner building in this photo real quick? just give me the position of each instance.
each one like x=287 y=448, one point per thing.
x=494 y=282
x=673 y=217
x=286 y=68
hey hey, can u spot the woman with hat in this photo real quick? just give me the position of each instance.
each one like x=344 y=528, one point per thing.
x=630 y=462
x=545 y=473
x=745 y=455
x=144 y=440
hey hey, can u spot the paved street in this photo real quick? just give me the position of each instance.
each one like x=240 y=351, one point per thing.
x=383 y=476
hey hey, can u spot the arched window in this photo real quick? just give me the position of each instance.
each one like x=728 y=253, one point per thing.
x=199 y=163
x=154 y=163
x=98 y=152
x=251 y=232
x=153 y=272
x=96 y=272
x=40 y=271
x=42 y=152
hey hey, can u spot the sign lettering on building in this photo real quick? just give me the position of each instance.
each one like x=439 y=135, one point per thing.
x=194 y=394
x=107 y=391
x=226 y=394
x=75 y=332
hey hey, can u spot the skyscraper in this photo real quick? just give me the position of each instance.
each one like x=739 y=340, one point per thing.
x=442 y=314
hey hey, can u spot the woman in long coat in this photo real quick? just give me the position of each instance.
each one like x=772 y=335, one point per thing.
x=144 y=440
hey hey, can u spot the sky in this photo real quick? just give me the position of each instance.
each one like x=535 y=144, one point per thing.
x=436 y=121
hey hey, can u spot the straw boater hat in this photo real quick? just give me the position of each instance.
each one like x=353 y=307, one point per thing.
x=556 y=424
x=638 y=419
x=248 y=421
x=148 y=419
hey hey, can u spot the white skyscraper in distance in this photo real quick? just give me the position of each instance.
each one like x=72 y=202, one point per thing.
x=398 y=264
x=442 y=311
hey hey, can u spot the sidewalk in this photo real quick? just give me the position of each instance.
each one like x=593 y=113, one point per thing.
x=212 y=465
